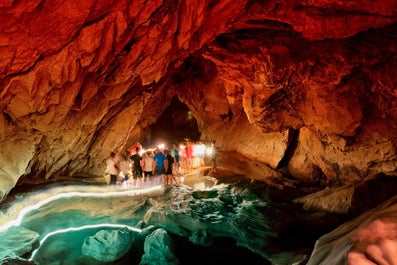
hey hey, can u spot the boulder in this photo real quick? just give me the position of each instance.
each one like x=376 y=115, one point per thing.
x=158 y=249
x=108 y=245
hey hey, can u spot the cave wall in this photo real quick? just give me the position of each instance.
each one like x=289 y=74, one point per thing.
x=81 y=79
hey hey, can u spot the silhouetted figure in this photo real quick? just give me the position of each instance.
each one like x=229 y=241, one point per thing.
x=168 y=165
x=214 y=156
x=175 y=154
x=136 y=166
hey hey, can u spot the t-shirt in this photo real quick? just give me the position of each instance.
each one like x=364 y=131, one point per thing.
x=170 y=160
x=112 y=166
x=137 y=161
x=174 y=153
x=125 y=166
x=189 y=152
x=148 y=164
x=159 y=159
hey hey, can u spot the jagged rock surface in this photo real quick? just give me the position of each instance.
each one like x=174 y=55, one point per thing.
x=107 y=246
x=79 y=79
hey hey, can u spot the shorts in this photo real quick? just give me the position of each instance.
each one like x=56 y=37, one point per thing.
x=159 y=171
x=137 y=173
x=113 y=179
x=148 y=174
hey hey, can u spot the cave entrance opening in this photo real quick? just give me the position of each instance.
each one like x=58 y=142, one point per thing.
x=174 y=125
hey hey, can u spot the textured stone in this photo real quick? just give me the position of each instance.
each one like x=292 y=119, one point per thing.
x=17 y=242
x=158 y=249
x=351 y=199
x=108 y=246
x=81 y=79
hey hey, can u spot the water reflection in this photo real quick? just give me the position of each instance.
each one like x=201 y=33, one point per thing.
x=56 y=222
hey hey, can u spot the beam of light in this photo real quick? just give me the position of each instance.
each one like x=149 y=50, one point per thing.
x=36 y=206
x=72 y=229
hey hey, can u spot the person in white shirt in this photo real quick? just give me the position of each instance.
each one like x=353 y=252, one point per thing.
x=148 y=165
x=112 y=168
x=126 y=167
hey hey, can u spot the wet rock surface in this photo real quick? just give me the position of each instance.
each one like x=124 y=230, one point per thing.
x=227 y=218
x=299 y=96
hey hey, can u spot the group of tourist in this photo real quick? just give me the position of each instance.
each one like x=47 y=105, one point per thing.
x=160 y=165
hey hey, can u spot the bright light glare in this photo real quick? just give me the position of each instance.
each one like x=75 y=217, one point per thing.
x=161 y=146
x=142 y=152
x=102 y=194
x=208 y=151
x=70 y=229
x=199 y=149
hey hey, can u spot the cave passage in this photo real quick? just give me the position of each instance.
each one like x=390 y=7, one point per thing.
x=174 y=125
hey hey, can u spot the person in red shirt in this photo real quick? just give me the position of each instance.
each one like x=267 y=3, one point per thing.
x=132 y=149
x=189 y=156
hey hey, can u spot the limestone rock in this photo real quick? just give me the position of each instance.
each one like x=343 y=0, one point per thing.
x=158 y=249
x=108 y=246
x=79 y=80
x=17 y=241
x=335 y=160
x=351 y=199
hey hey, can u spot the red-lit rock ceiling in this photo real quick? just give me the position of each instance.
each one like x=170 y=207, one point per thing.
x=79 y=79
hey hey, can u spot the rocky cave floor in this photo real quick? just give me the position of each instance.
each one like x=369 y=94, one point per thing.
x=290 y=232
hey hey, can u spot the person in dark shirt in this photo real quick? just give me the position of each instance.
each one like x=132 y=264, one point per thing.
x=168 y=165
x=137 y=167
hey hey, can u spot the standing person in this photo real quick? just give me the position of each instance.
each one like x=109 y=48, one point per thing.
x=148 y=165
x=168 y=165
x=159 y=159
x=189 y=156
x=195 y=159
x=182 y=159
x=137 y=167
x=174 y=152
x=133 y=148
x=112 y=168
x=126 y=167
x=214 y=155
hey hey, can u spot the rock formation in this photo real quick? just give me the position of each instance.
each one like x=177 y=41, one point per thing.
x=307 y=86
x=108 y=246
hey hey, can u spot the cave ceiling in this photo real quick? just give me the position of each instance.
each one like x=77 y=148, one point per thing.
x=79 y=79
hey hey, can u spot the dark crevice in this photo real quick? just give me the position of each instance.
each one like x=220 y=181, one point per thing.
x=270 y=24
x=293 y=137
x=227 y=116
x=128 y=46
x=175 y=124
x=7 y=117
